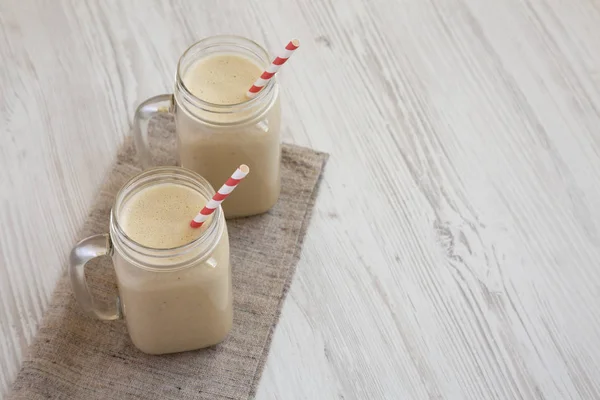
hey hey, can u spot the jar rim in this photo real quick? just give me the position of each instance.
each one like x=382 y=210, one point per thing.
x=221 y=40
x=126 y=245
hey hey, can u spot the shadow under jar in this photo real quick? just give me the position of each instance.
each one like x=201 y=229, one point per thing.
x=213 y=138
x=174 y=299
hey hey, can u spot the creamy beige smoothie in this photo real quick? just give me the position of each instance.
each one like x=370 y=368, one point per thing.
x=214 y=142
x=170 y=310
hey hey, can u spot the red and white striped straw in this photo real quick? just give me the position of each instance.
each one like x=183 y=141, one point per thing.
x=273 y=68
x=221 y=195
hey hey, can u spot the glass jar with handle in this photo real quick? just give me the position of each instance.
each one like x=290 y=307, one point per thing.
x=173 y=299
x=219 y=128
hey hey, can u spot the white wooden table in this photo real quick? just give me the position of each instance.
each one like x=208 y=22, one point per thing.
x=454 y=251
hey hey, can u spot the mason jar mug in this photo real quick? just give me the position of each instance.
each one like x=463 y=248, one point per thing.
x=214 y=138
x=173 y=299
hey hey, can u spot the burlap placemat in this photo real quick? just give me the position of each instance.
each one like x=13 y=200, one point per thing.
x=75 y=357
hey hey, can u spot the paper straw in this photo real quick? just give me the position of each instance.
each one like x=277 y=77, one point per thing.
x=221 y=195
x=273 y=68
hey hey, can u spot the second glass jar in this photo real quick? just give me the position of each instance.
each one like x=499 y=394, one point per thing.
x=213 y=139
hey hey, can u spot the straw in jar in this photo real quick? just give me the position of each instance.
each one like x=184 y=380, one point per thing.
x=272 y=69
x=225 y=190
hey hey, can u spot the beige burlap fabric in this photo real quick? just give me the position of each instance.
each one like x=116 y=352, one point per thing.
x=75 y=357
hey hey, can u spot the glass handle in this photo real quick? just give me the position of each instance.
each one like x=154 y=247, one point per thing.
x=155 y=105
x=84 y=251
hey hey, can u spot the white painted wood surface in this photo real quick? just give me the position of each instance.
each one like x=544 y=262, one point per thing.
x=454 y=250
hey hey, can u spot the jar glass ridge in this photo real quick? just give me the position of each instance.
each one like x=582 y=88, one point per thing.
x=165 y=259
x=202 y=109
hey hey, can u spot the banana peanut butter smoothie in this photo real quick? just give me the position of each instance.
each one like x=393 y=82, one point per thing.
x=228 y=128
x=227 y=112
x=173 y=273
x=178 y=310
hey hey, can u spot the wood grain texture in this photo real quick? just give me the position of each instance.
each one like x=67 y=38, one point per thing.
x=454 y=249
